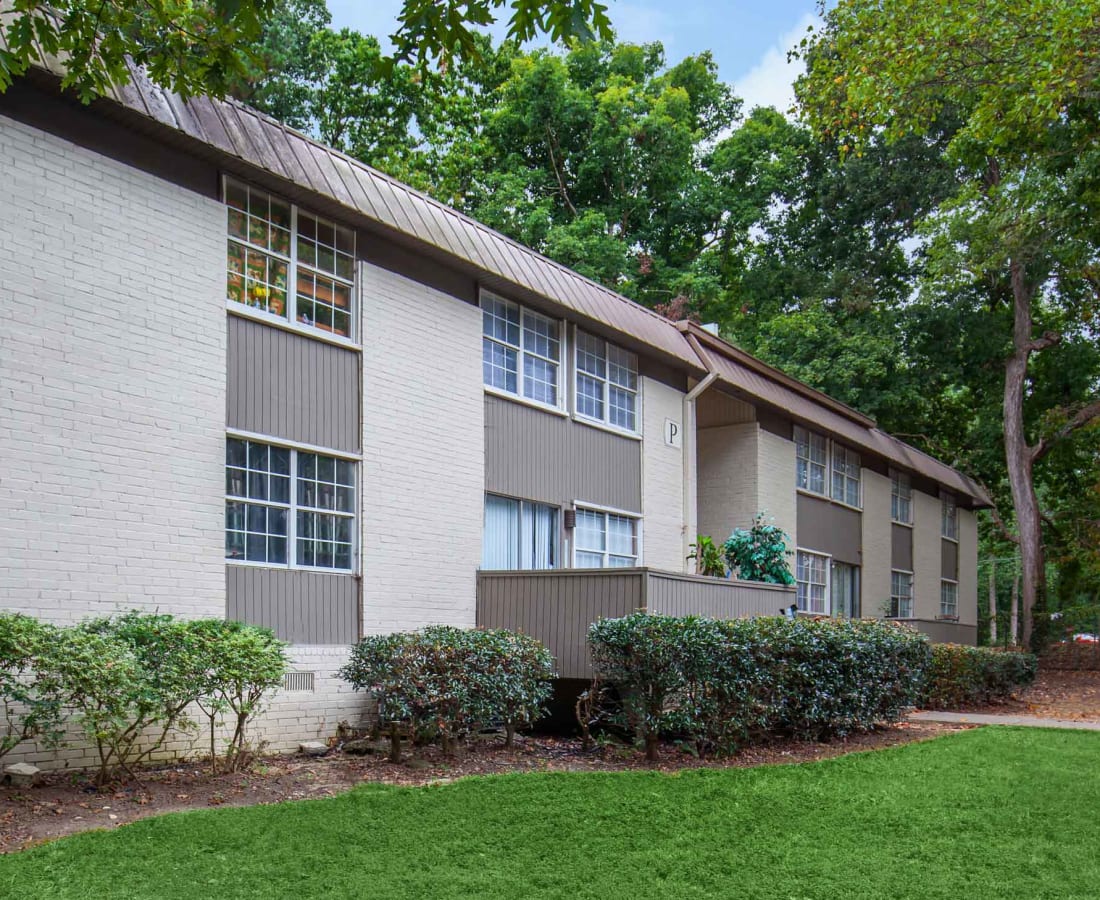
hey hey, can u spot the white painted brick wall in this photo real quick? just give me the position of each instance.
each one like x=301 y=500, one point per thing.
x=423 y=455
x=112 y=386
x=968 y=567
x=776 y=494
x=877 y=546
x=727 y=480
x=662 y=478
x=927 y=555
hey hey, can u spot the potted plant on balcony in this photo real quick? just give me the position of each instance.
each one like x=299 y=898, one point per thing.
x=759 y=553
x=708 y=558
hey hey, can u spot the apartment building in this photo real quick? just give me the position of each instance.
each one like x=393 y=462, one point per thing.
x=244 y=375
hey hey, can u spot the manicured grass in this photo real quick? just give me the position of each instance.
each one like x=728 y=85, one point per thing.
x=994 y=813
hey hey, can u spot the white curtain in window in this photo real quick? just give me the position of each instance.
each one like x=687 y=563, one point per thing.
x=500 y=548
x=540 y=537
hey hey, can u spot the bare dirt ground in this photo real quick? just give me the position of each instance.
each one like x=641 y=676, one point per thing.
x=1056 y=694
x=65 y=802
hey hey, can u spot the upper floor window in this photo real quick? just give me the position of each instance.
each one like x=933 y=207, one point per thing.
x=810 y=449
x=286 y=507
x=274 y=246
x=605 y=540
x=901 y=498
x=949 y=517
x=519 y=534
x=812 y=582
x=901 y=595
x=607 y=383
x=846 y=473
x=949 y=598
x=520 y=351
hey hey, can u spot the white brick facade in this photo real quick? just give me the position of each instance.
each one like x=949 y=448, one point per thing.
x=776 y=494
x=662 y=478
x=727 y=480
x=423 y=455
x=927 y=555
x=877 y=544
x=112 y=385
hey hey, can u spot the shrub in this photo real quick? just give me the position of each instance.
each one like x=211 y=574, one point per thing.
x=759 y=553
x=720 y=682
x=29 y=709
x=708 y=558
x=960 y=675
x=442 y=682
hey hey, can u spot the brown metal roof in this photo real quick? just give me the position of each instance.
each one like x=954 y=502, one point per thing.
x=263 y=143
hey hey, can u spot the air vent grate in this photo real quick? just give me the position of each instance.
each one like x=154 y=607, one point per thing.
x=298 y=681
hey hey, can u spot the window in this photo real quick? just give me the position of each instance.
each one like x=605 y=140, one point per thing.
x=949 y=517
x=519 y=535
x=845 y=475
x=266 y=516
x=901 y=498
x=272 y=245
x=845 y=590
x=901 y=595
x=811 y=455
x=605 y=540
x=949 y=599
x=607 y=383
x=812 y=580
x=520 y=351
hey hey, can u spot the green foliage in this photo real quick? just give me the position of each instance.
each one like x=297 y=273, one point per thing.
x=442 y=682
x=961 y=675
x=719 y=683
x=708 y=558
x=759 y=553
x=29 y=709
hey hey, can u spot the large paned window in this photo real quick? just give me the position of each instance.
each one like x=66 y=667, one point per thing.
x=949 y=517
x=846 y=473
x=949 y=598
x=607 y=383
x=520 y=351
x=605 y=540
x=845 y=590
x=901 y=498
x=810 y=450
x=812 y=581
x=273 y=246
x=901 y=594
x=519 y=535
x=287 y=507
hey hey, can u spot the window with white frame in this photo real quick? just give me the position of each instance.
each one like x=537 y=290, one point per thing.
x=846 y=472
x=901 y=498
x=519 y=534
x=273 y=245
x=949 y=598
x=901 y=595
x=288 y=507
x=949 y=517
x=604 y=540
x=607 y=383
x=520 y=350
x=812 y=458
x=812 y=582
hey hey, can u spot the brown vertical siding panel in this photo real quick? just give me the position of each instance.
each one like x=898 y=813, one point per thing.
x=302 y=607
x=830 y=528
x=901 y=548
x=949 y=560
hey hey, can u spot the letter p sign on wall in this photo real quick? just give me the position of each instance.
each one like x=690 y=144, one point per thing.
x=673 y=438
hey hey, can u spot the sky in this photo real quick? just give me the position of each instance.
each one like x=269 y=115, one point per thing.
x=749 y=40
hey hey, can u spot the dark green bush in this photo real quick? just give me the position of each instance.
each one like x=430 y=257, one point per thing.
x=29 y=709
x=442 y=682
x=759 y=553
x=960 y=675
x=720 y=683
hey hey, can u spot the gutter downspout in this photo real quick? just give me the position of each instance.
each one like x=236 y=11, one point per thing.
x=689 y=501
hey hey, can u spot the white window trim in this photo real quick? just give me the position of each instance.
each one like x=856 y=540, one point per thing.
x=949 y=616
x=828 y=557
x=561 y=407
x=610 y=510
x=947 y=495
x=833 y=563
x=290 y=321
x=826 y=490
x=833 y=447
x=827 y=493
x=909 y=483
x=605 y=423
x=558 y=537
x=292 y=507
x=912 y=593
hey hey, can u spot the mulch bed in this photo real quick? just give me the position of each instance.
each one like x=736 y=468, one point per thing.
x=1056 y=694
x=66 y=802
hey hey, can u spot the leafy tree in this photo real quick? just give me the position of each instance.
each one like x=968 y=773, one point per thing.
x=759 y=553
x=1020 y=227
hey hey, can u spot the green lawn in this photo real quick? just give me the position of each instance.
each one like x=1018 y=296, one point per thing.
x=993 y=813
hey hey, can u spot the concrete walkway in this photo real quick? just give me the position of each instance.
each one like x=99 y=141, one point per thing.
x=987 y=719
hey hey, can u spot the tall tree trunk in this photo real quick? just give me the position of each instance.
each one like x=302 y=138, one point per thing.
x=1014 y=607
x=992 y=602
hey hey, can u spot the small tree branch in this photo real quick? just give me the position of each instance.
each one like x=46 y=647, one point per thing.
x=1082 y=417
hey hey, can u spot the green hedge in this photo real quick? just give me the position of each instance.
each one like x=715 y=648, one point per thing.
x=959 y=675
x=442 y=682
x=719 y=683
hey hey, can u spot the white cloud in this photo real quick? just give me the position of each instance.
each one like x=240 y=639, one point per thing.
x=771 y=81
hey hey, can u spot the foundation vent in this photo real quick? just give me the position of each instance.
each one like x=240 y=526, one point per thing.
x=298 y=681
